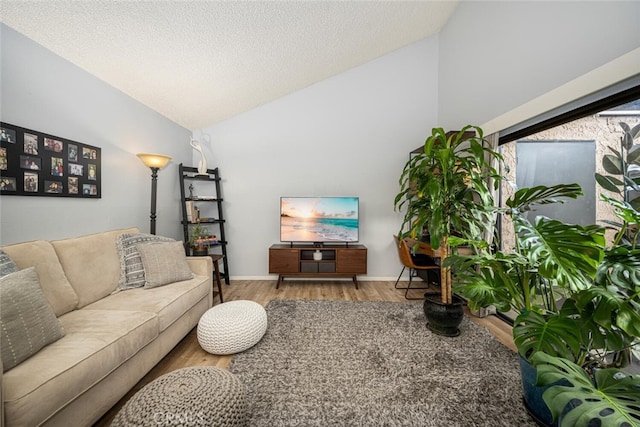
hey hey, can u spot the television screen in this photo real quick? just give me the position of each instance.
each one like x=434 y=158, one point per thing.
x=319 y=219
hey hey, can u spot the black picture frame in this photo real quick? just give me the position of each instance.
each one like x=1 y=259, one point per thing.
x=34 y=163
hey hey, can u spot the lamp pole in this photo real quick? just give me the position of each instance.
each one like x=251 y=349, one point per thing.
x=155 y=162
x=154 y=194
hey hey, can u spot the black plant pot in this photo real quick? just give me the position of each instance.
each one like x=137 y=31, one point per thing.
x=443 y=319
x=199 y=251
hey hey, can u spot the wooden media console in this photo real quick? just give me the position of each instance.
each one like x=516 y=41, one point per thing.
x=336 y=261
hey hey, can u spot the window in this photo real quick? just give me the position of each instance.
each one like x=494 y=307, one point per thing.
x=572 y=151
x=549 y=161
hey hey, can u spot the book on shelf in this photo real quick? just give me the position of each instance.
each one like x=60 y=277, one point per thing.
x=189 y=208
x=204 y=197
x=193 y=213
x=208 y=241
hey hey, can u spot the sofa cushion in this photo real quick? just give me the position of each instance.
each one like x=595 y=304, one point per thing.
x=27 y=321
x=164 y=263
x=168 y=302
x=131 y=268
x=91 y=264
x=54 y=283
x=96 y=343
x=7 y=266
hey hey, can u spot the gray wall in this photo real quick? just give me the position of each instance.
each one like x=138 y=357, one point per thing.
x=348 y=135
x=44 y=92
x=497 y=55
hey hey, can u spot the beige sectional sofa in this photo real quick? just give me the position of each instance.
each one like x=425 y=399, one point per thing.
x=111 y=338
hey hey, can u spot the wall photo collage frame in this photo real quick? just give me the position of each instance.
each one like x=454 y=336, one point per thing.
x=33 y=163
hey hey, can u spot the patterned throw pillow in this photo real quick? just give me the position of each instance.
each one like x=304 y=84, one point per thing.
x=7 y=266
x=27 y=321
x=131 y=268
x=164 y=263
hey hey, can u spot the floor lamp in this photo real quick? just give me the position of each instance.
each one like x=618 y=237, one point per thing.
x=155 y=162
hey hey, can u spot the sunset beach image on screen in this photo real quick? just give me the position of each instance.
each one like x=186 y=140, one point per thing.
x=319 y=219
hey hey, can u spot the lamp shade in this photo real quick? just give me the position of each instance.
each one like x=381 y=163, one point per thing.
x=154 y=160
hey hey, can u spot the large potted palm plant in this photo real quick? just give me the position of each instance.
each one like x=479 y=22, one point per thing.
x=447 y=188
x=571 y=343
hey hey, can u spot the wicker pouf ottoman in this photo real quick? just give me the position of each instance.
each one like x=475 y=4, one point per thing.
x=232 y=327
x=196 y=396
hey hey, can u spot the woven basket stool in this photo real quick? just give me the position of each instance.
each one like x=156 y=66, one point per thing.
x=232 y=327
x=196 y=396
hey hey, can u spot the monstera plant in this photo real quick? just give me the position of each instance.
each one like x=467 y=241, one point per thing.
x=578 y=303
x=549 y=257
x=593 y=390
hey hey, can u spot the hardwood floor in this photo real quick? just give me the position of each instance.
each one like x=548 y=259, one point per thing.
x=189 y=353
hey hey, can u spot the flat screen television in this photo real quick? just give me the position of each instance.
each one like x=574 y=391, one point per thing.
x=319 y=219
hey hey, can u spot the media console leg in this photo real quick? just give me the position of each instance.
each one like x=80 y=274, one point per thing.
x=280 y=278
x=355 y=280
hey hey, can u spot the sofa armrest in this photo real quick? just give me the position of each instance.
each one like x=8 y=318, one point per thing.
x=1 y=396
x=201 y=265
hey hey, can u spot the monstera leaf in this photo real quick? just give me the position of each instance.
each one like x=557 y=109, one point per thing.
x=492 y=279
x=567 y=253
x=551 y=333
x=610 y=398
x=615 y=298
x=525 y=198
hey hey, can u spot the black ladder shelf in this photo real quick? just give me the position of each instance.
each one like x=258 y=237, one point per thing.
x=188 y=176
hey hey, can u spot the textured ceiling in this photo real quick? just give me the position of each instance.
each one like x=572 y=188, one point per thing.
x=200 y=62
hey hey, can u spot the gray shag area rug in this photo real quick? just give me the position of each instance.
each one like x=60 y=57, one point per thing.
x=345 y=363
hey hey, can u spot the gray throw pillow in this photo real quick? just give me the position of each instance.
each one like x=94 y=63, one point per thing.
x=164 y=263
x=27 y=321
x=131 y=269
x=7 y=266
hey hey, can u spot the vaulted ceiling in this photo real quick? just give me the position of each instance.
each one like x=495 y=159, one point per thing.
x=201 y=62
